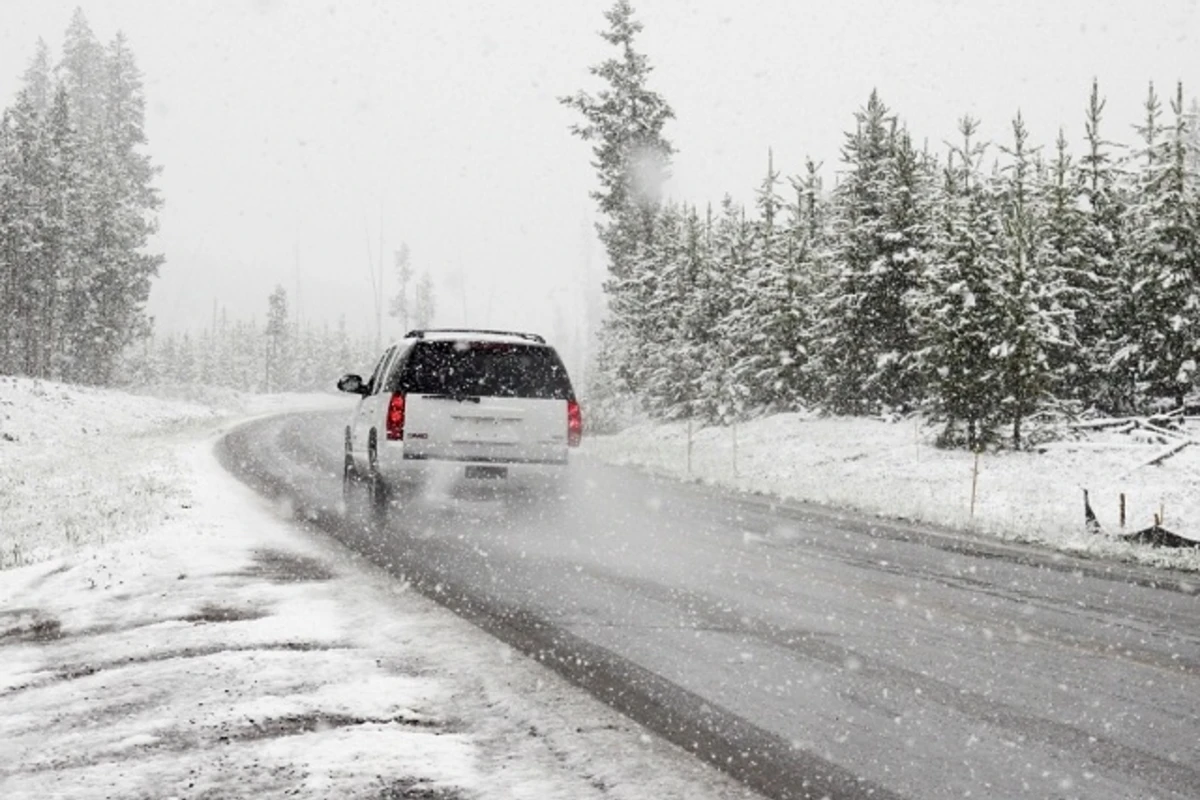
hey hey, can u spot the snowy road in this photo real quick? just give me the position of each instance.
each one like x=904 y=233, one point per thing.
x=803 y=652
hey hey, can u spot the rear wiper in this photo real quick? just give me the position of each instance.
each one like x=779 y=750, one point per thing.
x=459 y=397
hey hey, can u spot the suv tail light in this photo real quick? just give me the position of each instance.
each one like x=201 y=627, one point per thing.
x=395 y=417
x=574 y=424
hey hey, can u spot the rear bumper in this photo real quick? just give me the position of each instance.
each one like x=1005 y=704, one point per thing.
x=490 y=473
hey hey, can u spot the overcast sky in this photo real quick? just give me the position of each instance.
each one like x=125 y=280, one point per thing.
x=288 y=132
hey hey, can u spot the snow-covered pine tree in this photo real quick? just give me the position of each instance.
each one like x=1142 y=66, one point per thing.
x=960 y=316
x=399 y=307
x=714 y=342
x=765 y=318
x=725 y=398
x=625 y=121
x=848 y=313
x=205 y=359
x=31 y=220
x=66 y=197
x=165 y=365
x=33 y=157
x=246 y=363
x=865 y=333
x=1065 y=252
x=694 y=333
x=424 y=301
x=37 y=79
x=1036 y=325
x=808 y=261
x=908 y=237
x=185 y=361
x=278 y=345
x=82 y=72
x=343 y=351
x=660 y=291
x=123 y=210
x=10 y=288
x=1100 y=291
x=1163 y=249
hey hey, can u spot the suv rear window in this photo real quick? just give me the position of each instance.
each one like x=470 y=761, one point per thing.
x=484 y=369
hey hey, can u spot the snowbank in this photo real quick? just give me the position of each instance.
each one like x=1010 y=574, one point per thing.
x=81 y=465
x=892 y=469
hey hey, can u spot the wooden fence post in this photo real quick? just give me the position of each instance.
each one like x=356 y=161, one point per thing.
x=735 y=450
x=974 y=483
x=689 y=447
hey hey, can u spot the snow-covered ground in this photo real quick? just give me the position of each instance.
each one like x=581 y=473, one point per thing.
x=81 y=465
x=188 y=640
x=892 y=469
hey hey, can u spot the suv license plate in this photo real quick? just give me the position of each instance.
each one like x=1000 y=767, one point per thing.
x=487 y=473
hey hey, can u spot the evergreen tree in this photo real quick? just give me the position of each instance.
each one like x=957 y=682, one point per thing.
x=1100 y=296
x=1036 y=325
x=124 y=216
x=37 y=79
x=424 y=301
x=808 y=261
x=399 y=307
x=1164 y=259
x=30 y=221
x=961 y=315
x=908 y=252
x=58 y=260
x=625 y=122
x=184 y=366
x=766 y=319
x=10 y=260
x=866 y=334
x=82 y=71
x=166 y=363
x=665 y=289
x=1065 y=253
x=726 y=397
x=76 y=212
x=278 y=346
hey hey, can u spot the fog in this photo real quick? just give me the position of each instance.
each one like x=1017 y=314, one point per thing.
x=297 y=139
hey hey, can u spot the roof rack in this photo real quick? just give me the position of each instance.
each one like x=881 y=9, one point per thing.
x=420 y=334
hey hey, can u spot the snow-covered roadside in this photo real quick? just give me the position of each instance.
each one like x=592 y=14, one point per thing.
x=82 y=465
x=893 y=470
x=222 y=652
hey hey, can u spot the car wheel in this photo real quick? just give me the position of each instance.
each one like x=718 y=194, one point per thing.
x=349 y=473
x=377 y=489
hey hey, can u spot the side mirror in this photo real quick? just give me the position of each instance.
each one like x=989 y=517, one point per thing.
x=352 y=384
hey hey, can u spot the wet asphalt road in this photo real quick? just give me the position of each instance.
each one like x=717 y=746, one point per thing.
x=806 y=652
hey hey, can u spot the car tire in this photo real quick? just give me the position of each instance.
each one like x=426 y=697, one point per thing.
x=349 y=471
x=377 y=488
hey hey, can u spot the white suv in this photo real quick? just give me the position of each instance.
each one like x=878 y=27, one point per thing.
x=468 y=407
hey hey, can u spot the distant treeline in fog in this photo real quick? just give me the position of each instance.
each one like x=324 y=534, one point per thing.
x=283 y=353
x=77 y=206
x=988 y=284
x=250 y=356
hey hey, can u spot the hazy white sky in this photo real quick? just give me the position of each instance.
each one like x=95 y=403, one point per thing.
x=301 y=126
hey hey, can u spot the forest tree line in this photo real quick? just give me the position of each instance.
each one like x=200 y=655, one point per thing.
x=77 y=208
x=986 y=285
x=248 y=355
x=282 y=353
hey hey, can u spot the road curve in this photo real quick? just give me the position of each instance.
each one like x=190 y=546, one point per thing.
x=807 y=653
